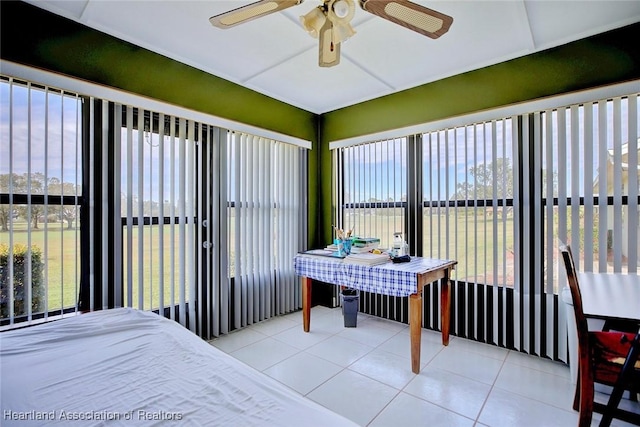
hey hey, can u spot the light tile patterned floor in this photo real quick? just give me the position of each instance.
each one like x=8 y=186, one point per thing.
x=364 y=373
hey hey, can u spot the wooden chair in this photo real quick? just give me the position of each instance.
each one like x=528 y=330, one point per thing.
x=601 y=357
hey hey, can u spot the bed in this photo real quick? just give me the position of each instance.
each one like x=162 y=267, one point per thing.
x=130 y=367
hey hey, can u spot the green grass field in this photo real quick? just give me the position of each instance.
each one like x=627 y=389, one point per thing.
x=152 y=270
x=467 y=237
x=61 y=253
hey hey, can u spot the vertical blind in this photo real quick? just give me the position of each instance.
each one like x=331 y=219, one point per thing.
x=590 y=192
x=157 y=232
x=594 y=154
x=264 y=209
x=467 y=211
x=498 y=196
x=187 y=219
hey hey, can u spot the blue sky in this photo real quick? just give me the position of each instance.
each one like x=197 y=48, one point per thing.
x=451 y=153
x=381 y=166
x=61 y=127
x=384 y=163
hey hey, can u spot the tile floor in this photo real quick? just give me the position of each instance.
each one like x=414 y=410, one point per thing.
x=364 y=373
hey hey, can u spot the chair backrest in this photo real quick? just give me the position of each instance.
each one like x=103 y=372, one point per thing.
x=581 y=321
x=572 y=279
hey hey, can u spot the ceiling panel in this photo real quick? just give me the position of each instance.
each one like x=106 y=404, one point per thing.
x=274 y=55
x=558 y=22
x=184 y=33
x=405 y=59
x=321 y=89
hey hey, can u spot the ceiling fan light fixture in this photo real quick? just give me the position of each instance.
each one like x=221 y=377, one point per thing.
x=340 y=13
x=341 y=8
x=313 y=21
x=342 y=32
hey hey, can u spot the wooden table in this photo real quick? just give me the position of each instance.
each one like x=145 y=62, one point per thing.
x=404 y=279
x=610 y=296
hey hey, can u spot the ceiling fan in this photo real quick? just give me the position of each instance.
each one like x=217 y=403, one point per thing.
x=331 y=21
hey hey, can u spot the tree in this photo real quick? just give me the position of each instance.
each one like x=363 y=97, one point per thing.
x=33 y=184
x=66 y=213
x=13 y=183
x=484 y=177
x=5 y=214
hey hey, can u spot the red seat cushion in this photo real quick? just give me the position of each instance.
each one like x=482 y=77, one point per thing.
x=609 y=354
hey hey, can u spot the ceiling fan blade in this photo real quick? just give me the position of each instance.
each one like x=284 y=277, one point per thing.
x=329 y=53
x=410 y=15
x=251 y=11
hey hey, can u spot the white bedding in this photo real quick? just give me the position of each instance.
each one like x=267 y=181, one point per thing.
x=129 y=367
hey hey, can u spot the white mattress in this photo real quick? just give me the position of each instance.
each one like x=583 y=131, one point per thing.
x=129 y=367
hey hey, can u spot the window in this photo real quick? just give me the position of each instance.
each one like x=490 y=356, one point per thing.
x=468 y=200
x=373 y=177
x=41 y=194
x=498 y=196
x=590 y=185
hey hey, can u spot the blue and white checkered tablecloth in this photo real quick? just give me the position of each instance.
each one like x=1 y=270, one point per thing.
x=398 y=280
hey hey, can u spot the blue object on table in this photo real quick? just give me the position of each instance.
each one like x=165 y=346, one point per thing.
x=344 y=247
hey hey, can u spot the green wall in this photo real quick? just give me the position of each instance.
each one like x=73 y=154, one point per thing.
x=35 y=37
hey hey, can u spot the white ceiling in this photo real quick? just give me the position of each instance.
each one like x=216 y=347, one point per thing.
x=275 y=56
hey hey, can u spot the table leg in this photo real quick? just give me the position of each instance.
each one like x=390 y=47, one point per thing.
x=445 y=304
x=415 y=329
x=306 y=303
